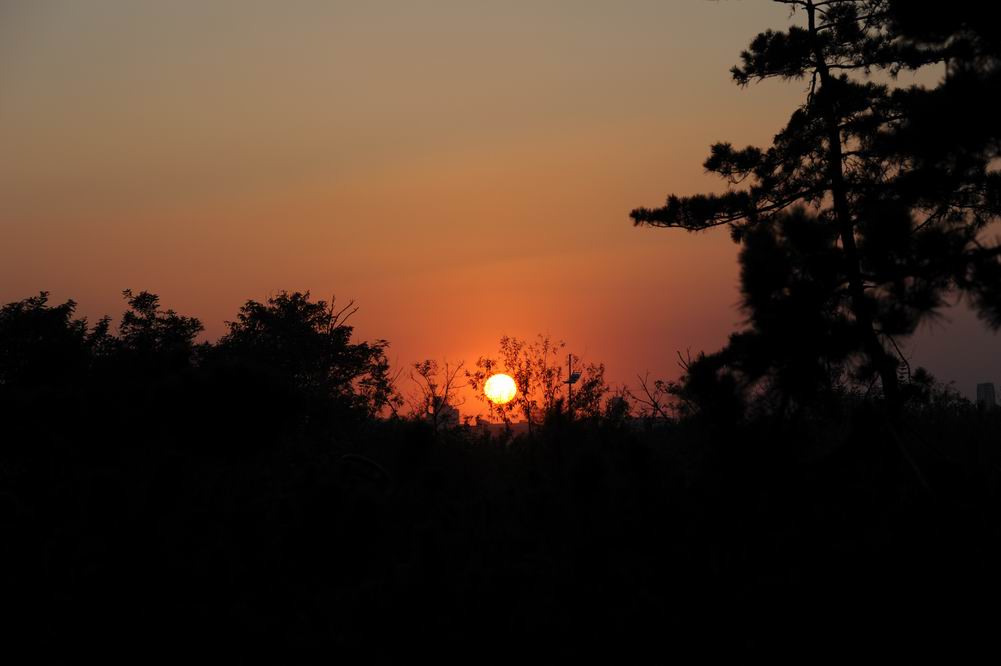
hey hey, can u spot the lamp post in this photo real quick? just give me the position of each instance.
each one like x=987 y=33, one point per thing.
x=572 y=378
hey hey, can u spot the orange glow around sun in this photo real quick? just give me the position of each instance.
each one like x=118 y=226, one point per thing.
x=500 y=389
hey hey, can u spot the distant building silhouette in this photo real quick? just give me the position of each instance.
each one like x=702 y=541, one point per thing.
x=985 y=395
x=448 y=415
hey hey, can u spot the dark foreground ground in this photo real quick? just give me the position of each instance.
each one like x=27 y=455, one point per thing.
x=179 y=536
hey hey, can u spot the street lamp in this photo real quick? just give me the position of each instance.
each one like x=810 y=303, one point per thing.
x=572 y=377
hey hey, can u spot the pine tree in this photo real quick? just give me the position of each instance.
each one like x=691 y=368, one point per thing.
x=902 y=180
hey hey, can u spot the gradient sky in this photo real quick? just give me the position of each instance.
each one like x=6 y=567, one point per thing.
x=462 y=169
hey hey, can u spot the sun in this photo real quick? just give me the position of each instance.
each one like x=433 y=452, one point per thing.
x=500 y=389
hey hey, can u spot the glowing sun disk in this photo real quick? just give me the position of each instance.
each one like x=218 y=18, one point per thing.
x=500 y=389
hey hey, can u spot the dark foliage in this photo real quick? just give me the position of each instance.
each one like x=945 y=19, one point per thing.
x=239 y=502
x=902 y=183
x=308 y=346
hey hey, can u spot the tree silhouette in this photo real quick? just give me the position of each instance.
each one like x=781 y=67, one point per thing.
x=589 y=392
x=652 y=400
x=436 y=384
x=798 y=337
x=152 y=337
x=148 y=500
x=900 y=207
x=308 y=344
x=537 y=369
x=41 y=344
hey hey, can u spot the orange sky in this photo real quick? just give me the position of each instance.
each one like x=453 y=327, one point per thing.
x=462 y=169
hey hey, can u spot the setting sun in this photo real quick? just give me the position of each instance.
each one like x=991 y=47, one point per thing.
x=500 y=389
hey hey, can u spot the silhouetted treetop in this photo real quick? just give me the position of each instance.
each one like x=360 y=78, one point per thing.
x=903 y=176
x=309 y=343
x=40 y=343
x=152 y=334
